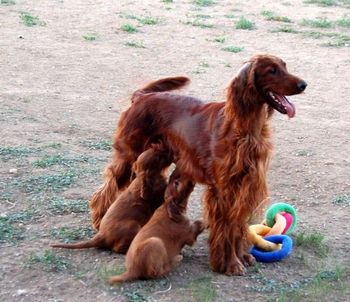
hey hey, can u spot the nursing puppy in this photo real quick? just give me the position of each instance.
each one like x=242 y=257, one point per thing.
x=155 y=251
x=135 y=206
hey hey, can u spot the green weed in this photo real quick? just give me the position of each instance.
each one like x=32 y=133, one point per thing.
x=105 y=272
x=324 y=286
x=343 y=22
x=9 y=232
x=58 y=159
x=129 y=28
x=314 y=241
x=90 y=37
x=29 y=20
x=148 y=20
x=234 y=49
x=49 y=261
x=285 y=29
x=339 y=41
x=318 y=22
x=202 y=289
x=7 y=153
x=168 y=1
x=135 y=44
x=244 y=23
x=322 y=2
x=105 y=145
x=219 y=39
x=271 y=16
x=343 y=200
x=60 y=205
x=7 y=2
x=68 y=234
x=204 y=2
x=51 y=183
x=199 y=23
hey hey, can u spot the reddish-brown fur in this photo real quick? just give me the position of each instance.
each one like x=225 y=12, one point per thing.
x=225 y=146
x=135 y=206
x=156 y=249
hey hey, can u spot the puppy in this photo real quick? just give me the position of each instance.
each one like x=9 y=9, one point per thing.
x=135 y=206
x=155 y=251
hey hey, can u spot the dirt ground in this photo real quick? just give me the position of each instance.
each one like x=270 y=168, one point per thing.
x=67 y=68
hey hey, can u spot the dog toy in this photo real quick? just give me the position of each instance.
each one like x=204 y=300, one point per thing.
x=284 y=209
x=268 y=239
x=273 y=256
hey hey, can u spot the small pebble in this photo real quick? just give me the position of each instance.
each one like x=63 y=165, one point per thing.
x=13 y=171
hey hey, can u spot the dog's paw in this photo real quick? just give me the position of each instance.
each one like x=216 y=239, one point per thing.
x=235 y=268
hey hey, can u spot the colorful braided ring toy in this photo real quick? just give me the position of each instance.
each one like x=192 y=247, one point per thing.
x=262 y=256
x=255 y=237
x=278 y=208
x=279 y=226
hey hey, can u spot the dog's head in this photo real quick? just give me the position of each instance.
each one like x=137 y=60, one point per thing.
x=177 y=194
x=265 y=79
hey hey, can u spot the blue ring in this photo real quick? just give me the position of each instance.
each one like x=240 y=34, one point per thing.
x=262 y=256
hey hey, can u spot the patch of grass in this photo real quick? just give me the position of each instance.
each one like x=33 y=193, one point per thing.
x=204 y=2
x=324 y=286
x=199 y=23
x=7 y=2
x=318 y=22
x=245 y=24
x=90 y=37
x=343 y=200
x=314 y=241
x=322 y=2
x=219 y=39
x=9 y=232
x=129 y=28
x=135 y=44
x=168 y=1
x=29 y=20
x=68 y=234
x=202 y=289
x=53 y=145
x=49 y=261
x=21 y=217
x=148 y=20
x=7 y=153
x=234 y=49
x=106 y=272
x=51 y=183
x=285 y=29
x=271 y=16
x=60 y=205
x=135 y=296
x=343 y=22
x=204 y=64
x=339 y=41
x=105 y=145
x=58 y=159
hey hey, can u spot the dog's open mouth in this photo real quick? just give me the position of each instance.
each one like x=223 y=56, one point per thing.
x=281 y=104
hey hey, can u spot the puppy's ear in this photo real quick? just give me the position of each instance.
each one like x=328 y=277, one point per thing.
x=173 y=211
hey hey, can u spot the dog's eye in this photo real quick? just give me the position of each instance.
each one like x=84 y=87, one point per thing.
x=273 y=70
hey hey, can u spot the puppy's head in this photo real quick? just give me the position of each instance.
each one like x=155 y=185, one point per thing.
x=177 y=194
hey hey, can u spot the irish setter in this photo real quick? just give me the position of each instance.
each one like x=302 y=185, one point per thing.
x=224 y=145
x=133 y=207
x=156 y=249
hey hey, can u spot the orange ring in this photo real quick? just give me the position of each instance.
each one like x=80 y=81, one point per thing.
x=279 y=226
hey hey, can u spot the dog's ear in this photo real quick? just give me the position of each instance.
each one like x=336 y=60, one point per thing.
x=241 y=92
x=173 y=211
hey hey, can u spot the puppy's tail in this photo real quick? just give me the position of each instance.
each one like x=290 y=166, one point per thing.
x=127 y=276
x=161 y=85
x=97 y=241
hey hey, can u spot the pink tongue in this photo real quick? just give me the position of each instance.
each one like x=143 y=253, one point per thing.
x=288 y=105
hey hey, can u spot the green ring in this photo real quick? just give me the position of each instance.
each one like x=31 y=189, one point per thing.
x=281 y=207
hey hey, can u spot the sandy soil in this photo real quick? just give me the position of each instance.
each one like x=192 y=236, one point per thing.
x=61 y=95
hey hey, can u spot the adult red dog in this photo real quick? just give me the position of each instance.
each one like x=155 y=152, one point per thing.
x=225 y=146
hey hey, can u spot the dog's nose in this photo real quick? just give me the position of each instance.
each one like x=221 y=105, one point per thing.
x=301 y=85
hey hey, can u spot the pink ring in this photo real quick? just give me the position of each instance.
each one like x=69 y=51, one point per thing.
x=289 y=220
